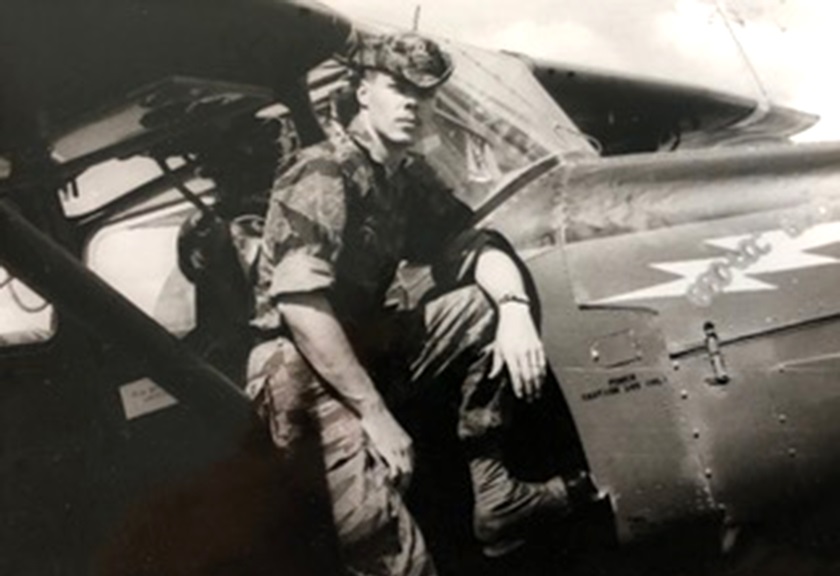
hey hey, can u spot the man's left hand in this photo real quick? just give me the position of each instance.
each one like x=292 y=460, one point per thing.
x=519 y=348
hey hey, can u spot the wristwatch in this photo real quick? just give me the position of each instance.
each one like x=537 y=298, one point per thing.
x=513 y=297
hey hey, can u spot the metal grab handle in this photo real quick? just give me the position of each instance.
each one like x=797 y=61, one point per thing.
x=721 y=376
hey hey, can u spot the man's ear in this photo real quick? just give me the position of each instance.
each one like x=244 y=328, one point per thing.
x=363 y=93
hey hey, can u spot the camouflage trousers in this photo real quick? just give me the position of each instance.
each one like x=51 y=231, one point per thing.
x=451 y=333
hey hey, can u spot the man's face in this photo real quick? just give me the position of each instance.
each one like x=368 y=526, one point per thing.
x=396 y=108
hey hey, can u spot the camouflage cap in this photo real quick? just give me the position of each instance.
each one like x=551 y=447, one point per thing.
x=407 y=56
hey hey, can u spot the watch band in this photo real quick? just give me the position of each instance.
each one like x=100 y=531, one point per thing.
x=513 y=297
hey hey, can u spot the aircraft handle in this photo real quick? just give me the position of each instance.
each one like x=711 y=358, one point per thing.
x=720 y=374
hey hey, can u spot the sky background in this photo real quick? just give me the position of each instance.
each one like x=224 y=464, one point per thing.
x=791 y=45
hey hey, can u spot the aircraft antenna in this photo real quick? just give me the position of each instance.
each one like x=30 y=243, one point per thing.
x=416 y=21
x=764 y=98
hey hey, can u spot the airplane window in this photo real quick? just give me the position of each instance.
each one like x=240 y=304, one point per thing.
x=137 y=256
x=492 y=119
x=25 y=317
x=105 y=182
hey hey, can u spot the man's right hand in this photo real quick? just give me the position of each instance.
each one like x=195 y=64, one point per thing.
x=392 y=444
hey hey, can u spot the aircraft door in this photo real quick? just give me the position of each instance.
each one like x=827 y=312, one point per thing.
x=628 y=407
x=729 y=408
x=736 y=256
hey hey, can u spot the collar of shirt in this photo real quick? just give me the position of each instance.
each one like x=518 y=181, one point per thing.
x=362 y=139
x=352 y=145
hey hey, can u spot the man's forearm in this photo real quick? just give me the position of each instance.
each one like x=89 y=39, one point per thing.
x=322 y=341
x=518 y=345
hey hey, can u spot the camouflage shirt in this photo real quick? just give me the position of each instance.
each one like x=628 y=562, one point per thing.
x=336 y=222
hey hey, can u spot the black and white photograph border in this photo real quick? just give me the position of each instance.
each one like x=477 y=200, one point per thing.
x=419 y=287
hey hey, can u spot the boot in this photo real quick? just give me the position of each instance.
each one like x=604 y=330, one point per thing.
x=505 y=506
x=581 y=490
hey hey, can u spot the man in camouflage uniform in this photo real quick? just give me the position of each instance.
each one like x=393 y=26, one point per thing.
x=339 y=222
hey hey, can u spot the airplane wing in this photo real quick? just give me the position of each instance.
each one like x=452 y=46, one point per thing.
x=64 y=59
x=628 y=113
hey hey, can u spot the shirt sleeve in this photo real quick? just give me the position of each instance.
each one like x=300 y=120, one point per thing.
x=304 y=227
x=440 y=229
